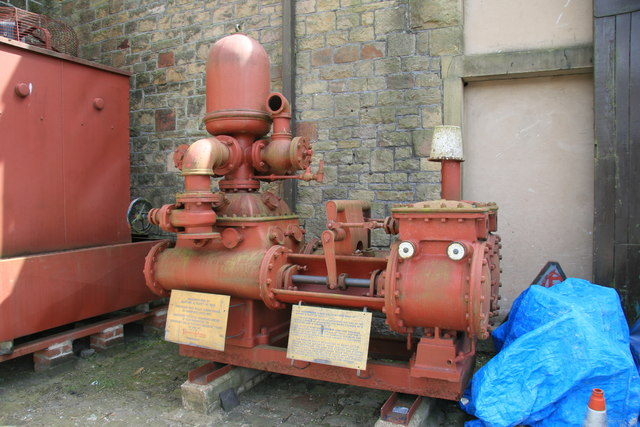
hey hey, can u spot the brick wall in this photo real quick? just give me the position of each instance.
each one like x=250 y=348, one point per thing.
x=368 y=86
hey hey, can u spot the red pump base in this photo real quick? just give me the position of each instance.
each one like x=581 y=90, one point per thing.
x=430 y=370
x=392 y=376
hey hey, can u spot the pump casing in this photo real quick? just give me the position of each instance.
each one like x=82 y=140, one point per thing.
x=437 y=284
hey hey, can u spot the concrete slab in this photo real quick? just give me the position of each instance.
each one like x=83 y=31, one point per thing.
x=206 y=398
x=6 y=347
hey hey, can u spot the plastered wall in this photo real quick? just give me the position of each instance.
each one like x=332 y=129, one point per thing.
x=507 y=25
x=529 y=145
x=529 y=141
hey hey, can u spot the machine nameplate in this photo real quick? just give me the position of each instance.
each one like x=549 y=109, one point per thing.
x=198 y=319
x=329 y=336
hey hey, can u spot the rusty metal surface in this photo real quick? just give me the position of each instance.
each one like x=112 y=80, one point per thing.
x=208 y=372
x=388 y=411
x=65 y=162
x=40 y=292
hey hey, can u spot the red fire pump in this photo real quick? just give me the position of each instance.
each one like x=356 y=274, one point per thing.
x=437 y=284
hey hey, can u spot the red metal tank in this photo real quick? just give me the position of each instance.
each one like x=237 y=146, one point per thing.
x=237 y=87
x=65 y=245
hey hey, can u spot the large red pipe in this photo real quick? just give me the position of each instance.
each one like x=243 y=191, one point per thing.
x=451 y=180
x=223 y=272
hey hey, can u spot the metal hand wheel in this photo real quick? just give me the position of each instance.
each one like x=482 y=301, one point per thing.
x=137 y=216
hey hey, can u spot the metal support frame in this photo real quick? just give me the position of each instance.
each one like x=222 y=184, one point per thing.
x=208 y=372
x=80 y=332
x=387 y=413
x=382 y=375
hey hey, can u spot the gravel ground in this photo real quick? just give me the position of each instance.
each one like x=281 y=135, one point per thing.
x=138 y=383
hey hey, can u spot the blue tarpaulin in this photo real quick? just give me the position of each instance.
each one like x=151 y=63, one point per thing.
x=634 y=338
x=557 y=345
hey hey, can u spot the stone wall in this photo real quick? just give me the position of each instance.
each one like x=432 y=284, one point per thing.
x=165 y=45
x=369 y=91
x=368 y=86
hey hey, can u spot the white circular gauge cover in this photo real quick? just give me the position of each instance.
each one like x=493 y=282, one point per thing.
x=456 y=251
x=406 y=250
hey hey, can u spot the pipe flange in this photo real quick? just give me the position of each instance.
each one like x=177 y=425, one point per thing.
x=178 y=155
x=216 y=199
x=494 y=266
x=391 y=307
x=272 y=263
x=484 y=303
x=276 y=235
x=256 y=156
x=235 y=155
x=284 y=275
x=287 y=276
x=270 y=200
x=311 y=246
x=390 y=225
x=372 y=281
x=478 y=295
x=149 y=268
x=162 y=217
x=300 y=153
x=231 y=237
x=295 y=232
x=235 y=185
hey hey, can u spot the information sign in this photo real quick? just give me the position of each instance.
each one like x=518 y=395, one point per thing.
x=198 y=319
x=329 y=336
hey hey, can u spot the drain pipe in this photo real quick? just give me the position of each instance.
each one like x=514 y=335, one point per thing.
x=290 y=186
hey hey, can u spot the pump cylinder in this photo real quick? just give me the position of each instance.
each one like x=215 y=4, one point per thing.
x=238 y=83
x=222 y=272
